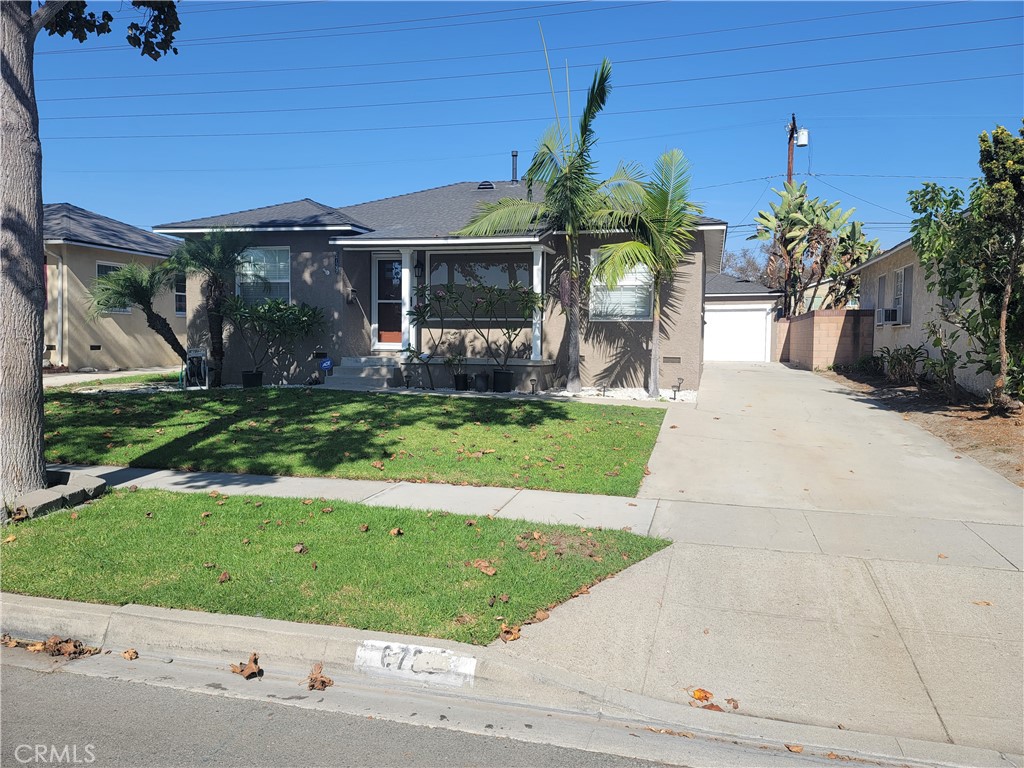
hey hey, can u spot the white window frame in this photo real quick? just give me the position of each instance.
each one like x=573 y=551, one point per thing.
x=526 y=257
x=183 y=294
x=629 y=281
x=899 y=297
x=124 y=311
x=238 y=276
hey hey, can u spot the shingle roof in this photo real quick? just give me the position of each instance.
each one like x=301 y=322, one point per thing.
x=880 y=256
x=298 y=213
x=722 y=284
x=429 y=213
x=63 y=221
x=439 y=211
x=435 y=212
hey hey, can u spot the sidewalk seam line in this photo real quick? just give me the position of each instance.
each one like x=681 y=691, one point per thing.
x=991 y=546
x=657 y=623
x=903 y=642
x=813 y=534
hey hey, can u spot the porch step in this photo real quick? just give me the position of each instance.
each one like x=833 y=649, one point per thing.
x=368 y=362
x=356 y=383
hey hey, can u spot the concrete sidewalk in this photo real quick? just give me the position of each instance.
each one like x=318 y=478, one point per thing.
x=833 y=565
x=64 y=379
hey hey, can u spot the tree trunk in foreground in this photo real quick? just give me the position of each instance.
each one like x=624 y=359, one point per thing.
x=654 y=382
x=158 y=323
x=22 y=292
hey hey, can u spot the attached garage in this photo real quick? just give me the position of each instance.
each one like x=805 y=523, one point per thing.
x=737 y=320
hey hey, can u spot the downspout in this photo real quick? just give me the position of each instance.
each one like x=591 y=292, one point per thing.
x=60 y=301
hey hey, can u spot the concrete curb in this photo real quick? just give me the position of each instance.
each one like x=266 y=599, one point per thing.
x=225 y=637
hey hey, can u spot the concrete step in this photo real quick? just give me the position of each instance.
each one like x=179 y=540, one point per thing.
x=368 y=362
x=356 y=383
x=367 y=371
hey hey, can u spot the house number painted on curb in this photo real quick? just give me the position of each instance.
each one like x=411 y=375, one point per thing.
x=415 y=662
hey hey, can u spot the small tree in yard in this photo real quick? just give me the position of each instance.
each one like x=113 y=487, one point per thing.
x=22 y=292
x=269 y=327
x=216 y=258
x=137 y=285
x=973 y=256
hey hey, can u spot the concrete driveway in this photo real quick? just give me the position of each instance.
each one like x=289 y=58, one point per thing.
x=833 y=564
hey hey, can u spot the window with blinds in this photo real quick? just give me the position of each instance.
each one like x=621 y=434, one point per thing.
x=631 y=299
x=103 y=269
x=265 y=275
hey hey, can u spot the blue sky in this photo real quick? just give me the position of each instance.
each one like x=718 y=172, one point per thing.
x=346 y=102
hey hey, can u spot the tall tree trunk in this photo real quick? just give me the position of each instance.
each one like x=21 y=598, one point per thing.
x=214 y=301
x=21 y=261
x=654 y=382
x=999 y=398
x=158 y=323
x=573 y=382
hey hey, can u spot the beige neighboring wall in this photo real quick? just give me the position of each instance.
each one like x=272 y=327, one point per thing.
x=924 y=306
x=124 y=340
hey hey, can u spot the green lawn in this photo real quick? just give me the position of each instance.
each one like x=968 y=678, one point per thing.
x=153 y=547
x=574 y=447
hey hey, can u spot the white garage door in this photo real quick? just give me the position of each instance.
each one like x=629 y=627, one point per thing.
x=736 y=334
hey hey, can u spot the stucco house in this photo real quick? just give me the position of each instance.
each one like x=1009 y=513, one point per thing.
x=893 y=286
x=79 y=246
x=362 y=264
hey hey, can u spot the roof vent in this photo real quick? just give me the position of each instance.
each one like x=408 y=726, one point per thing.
x=485 y=185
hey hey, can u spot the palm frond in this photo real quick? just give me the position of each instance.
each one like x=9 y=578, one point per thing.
x=509 y=215
x=616 y=260
x=133 y=284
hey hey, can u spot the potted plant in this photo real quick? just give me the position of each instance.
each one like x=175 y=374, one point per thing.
x=269 y=327
x=503 y=312
x=456 y=363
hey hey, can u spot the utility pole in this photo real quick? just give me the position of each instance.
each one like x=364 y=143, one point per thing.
x=789 y=147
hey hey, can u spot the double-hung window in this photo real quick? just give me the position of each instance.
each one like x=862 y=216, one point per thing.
x=266 y=274
x=180 y=304
x=103 y=269
x=631 y=299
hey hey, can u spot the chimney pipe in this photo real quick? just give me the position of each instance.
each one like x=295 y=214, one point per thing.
x=515 y=168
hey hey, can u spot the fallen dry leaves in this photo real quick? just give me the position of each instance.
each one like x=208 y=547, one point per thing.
x=669 y=732
x=11 y=537
x=69 y=648
x=317 y=680
x=794 y=748
x=396 y=532
x=484 y=566
x=364 y=528
x=981 y=602
x=300 y=549
x=224 y=577
x=250 y=669
x=130 y=655
x=508 y=633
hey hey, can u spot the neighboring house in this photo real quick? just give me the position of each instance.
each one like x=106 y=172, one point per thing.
x=362 y=263
x=738 y=318
x=893 y=285
x=80 y=245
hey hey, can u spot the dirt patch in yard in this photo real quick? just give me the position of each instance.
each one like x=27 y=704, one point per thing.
x=996 y=442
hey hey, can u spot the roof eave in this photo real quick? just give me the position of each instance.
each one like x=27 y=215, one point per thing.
x=104 y=247
x=170 y=229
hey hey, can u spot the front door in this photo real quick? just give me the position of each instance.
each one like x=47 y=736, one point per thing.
x=387 y=303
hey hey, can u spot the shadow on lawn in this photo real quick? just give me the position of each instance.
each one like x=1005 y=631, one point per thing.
x=284 y=431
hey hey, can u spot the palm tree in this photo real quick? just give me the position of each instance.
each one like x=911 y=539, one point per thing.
x=137 y=285
x=662 y=220
x=216 y=258
x=573 y=202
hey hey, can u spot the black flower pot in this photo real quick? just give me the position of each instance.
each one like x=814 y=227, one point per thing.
x=252 y=379
x=481 y=381
x=503 y=380
x=461 y=382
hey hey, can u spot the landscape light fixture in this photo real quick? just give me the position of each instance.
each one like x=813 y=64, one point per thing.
x=408 y=380
x=533 y=386
x=678 y=386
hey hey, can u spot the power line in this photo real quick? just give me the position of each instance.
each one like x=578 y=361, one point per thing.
x=890 y=176
x=236 y=7
x=403 y=81
x=504 y=96
x=862 y=199
x=512 y=121
x=502 y=54
x=196 y=43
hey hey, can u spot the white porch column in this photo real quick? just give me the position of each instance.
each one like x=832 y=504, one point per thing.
x=408 y=330
x=538 y=314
